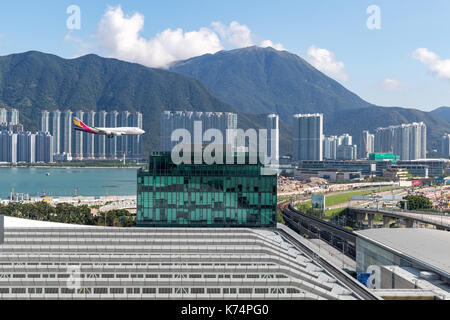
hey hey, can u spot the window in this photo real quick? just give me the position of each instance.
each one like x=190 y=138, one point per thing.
x=51 y=290
x=67 y=291
x=18 y=290
x=197 y=290
x=245 y=290
x=149 y=290
x=100 y=290
x=261 y=290
x=116 y=290
x=165 y=290
x=213 y=290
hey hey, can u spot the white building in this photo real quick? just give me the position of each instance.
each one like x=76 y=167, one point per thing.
x=45 y=260
x=273 y=137
x=308 y=136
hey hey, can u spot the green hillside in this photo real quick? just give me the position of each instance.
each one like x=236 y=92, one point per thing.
x=35 y=81
x=264 y=80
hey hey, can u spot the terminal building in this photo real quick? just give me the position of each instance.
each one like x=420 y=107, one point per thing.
x=202 y=195
x=412 y=261
x=44 y=260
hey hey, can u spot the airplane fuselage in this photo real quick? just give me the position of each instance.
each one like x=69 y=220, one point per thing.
x=109 y=132
x=123 y=130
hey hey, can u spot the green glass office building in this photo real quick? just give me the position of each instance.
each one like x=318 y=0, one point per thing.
x=201 y=195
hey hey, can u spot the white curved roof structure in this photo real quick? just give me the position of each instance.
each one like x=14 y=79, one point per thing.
x=76 y=262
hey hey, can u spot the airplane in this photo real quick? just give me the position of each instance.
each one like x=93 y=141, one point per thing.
x=109 y=132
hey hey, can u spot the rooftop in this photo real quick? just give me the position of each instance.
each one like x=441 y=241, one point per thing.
x=426 y=246
x=158 y=263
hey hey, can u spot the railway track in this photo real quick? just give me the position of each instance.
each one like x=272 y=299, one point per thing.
x=351 y=283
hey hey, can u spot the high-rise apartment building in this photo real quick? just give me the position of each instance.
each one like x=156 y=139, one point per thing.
x=100 y=140
x=366 y=144
x=15 y=128
x=330 y=145
x=79 y=145
x=44 y=147
x=78 y=139
x=13 y=116
x=10 y=116
x=171 y=121
x=55 y=130
x=3 y=115
x=347 y=152
x=134 y=143
x=308 y=136
x=111 y=143
x=26 y=147
x=89 y=139
x=66 y=132
x=8 y=146
x=345 y=139
x=273 y=137
x=406 y=140
x=44 y=121
x=445 y=144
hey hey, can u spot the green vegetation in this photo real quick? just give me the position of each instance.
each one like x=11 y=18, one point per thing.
x=336 y=199
x=81 y=164
x=246 y=81
x=416 y=203
x=66 y=213
x=339 y=198
x=35 y=81
x=280 y=218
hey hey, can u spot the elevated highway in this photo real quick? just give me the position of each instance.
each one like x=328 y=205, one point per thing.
x=440 y=221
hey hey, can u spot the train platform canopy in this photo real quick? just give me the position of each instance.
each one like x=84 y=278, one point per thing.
x=427 y=247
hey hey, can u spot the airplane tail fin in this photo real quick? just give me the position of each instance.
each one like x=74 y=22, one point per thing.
x=79 y=125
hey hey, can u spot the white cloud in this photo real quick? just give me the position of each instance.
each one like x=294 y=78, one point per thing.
x=119 y=35
x=82 y=46
x=236 y=34
x=435 y=64
x=325 y=61
x=391 y=84
x=268 y=43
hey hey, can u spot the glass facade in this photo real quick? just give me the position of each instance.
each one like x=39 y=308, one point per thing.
x=369 y=254
x=201 y=195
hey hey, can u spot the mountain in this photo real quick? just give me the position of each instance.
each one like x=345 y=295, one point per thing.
x=35 y=81
x=442 y=112
x=264 y=80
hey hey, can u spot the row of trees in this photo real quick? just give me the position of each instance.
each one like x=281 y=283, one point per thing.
x=67 y=213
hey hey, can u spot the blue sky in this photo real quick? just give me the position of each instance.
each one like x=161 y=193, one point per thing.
x=383 y=66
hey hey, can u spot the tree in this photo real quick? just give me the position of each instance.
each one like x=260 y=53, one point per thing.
x=416 y=203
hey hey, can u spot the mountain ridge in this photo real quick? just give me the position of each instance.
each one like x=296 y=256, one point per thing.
x=35 y=81
x=442 y=112
x=269 y=80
